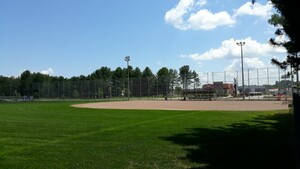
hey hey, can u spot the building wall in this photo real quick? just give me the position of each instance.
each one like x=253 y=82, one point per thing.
x=220 y=87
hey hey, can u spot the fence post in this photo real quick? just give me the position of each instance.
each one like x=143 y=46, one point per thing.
x=207 y=78
x=248 y=78
x=278 y=75
x=140 y=87
x=257 y=77
x=268 y=76
x=156 y=88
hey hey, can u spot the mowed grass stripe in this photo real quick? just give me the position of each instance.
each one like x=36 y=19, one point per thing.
x=82 y=135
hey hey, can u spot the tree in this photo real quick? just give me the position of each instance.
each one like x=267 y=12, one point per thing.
x=287 y=25
x=185 y=75
x=196 y=79
x=118 y=73
x=178 y=90
x=292 y=61
x=26 y=83
x=174 y=80
x=7 y=86
x=147 y=72
x=58 y=86
x=104 y=73
x=136 y=75
x=118 y=81
x=129 y=75
x=148 y=81
x=163 y=81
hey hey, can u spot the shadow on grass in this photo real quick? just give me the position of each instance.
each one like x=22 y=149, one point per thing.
x=265 y=142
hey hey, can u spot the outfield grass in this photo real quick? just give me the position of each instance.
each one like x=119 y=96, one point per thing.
x=56 y=136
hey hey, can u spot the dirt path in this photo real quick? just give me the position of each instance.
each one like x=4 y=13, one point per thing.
x=188 y=105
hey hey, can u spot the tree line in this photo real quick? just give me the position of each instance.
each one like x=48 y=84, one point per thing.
x=103 y=82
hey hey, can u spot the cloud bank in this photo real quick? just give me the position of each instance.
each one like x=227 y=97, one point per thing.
x=187 y=15
x=229 y=49
x=253 y=52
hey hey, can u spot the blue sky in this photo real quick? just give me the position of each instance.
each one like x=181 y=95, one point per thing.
x=76 y=37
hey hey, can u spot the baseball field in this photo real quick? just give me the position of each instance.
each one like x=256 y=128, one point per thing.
x=115 y=135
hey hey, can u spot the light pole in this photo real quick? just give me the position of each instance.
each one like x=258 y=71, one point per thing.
x=241 y=44
x=127 y=59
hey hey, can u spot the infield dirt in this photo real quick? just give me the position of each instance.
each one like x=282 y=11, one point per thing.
x=188 y=105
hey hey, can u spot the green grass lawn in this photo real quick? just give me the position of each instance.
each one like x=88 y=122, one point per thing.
x=56 y=136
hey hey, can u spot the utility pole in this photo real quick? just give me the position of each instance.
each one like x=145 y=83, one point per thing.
x=127 y=59
x=241 y=44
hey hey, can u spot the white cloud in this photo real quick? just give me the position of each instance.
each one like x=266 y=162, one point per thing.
x=49 y=71
x=175 y=15
x=249 y=63
x=205 y=20
x=201 y=3
x=185 y=15
x=253 y=67
x=281 y=39
x=253 y=63
x=233 y=65
x=255 y=9
x=229 y=49
x=209 y=55
x=201 y=20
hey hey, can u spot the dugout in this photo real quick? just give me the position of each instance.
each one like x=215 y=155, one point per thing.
x=197 y=94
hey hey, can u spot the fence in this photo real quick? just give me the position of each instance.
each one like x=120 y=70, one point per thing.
x=91 y=89
x=142 y=87
x=258 y=77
